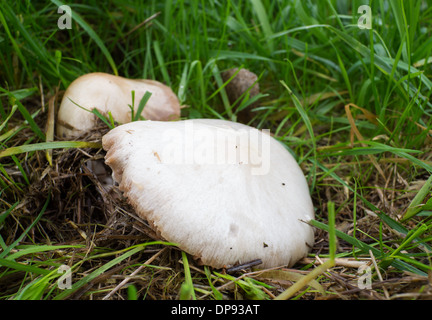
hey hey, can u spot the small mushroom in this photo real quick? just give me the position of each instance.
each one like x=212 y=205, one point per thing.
x=244 y=80
x=224 y=192
x=109 y=93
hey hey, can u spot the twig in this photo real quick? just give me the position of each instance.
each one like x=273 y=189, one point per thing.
x=244 y=266
x=305 y=280
x=379 y=274
x=142 y=23
x=126 y=280
x=343 y=262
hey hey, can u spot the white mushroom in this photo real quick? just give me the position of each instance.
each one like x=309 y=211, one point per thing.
x=224 y=192
x=109 y=93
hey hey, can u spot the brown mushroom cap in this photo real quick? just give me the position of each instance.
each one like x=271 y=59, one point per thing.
x=243 y=81
x=109 y=93
x=224 y=192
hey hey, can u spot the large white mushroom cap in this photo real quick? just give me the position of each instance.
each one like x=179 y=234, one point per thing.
x=224 y=192
x=109 y=93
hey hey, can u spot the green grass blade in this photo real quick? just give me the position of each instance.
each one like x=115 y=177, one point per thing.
x=263 y=19
x=35 y=221
x=3 y=217
x=304 y=115
x=14 y=108
x=132 y=292
x=365 y=248
x=141 y=105
x=98 y=272
x=93 y=35
x=398 y=11
x=183 y=83
x=26 y=114
x=23 y=251
x=395 y=225
x=221 y=89
x=21 y=169
x=102 y=117
x=411 y=236
x=414 y=206
x=11 y=38
x=308 y=20
x=187 y=291
x=332 y=229
x=23 y=267
x=5 y=214
x=49 y=145
x=216 y=293
x=161 y=62
x=125 y=253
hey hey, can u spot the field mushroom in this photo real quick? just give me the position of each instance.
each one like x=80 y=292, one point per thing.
x=107 y=92
x=243 y=81
x=224 y=192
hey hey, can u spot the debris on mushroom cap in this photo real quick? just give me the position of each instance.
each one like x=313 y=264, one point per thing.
x=224 y=192
x=106 y=93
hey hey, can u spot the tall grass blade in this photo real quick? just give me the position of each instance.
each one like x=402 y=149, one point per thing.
x=103 y=118
x=35 y=221
x=161 y=62
x=187 y=291
x=141 y=105
x=93 y=35
x=414 y=207
x=23 y=267
x=26 y=114
x=303 y=113
x=11 y=38
x=49 y=145
x=99 y=271
x=262 y=15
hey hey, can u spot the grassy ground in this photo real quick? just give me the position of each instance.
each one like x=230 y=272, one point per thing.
x=352 y=104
